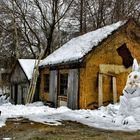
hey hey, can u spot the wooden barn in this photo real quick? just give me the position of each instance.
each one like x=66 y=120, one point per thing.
x=20 y=80
x=91 y=70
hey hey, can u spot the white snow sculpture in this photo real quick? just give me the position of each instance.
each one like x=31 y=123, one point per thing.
x=129 y=111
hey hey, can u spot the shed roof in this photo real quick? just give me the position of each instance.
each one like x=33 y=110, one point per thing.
x=77 y=48
x=27 y=66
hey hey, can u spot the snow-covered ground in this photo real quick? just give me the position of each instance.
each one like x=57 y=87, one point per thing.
x=100 y=118
x=124 y=116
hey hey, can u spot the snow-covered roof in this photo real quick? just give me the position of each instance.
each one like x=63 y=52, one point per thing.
x=78 y=47
x=27 y=66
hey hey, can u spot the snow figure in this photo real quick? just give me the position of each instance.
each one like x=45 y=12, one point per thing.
x=129 y=111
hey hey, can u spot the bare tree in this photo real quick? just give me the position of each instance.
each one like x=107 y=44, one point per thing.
x=49 y=22
x=37 y=21
x=103 y=12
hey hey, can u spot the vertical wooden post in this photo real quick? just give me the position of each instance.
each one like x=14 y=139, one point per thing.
x=53 y=87
x=100 y=90
x=73 y=83
x=114 y=89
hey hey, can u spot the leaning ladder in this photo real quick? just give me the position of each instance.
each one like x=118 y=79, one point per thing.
x=32 y=87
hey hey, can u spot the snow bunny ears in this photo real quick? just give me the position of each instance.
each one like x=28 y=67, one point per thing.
x=132 y=87
x=135 y=66
x=134 y=77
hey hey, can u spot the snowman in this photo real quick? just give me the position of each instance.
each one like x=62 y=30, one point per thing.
x=129 y=111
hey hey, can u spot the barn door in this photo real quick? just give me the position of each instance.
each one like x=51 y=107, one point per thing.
x=73 y=89
x=53 y=87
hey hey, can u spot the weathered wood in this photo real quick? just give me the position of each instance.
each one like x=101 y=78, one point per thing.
x=12 y=94
x=62 y=101
x=19 y=94
x=73 y=85
x=53 y=87
x=18 y=75
x=114 y=86
x=100 y=90
x=18 y=80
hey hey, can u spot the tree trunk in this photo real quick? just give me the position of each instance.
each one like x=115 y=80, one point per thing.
x=81 y=15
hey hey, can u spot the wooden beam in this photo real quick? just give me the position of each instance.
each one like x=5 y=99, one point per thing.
x=112 y=70
x=100 y=90
x=114 y=85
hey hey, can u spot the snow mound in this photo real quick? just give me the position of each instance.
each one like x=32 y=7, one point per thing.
x=4 y=99
x=129 y=111
x=100 y=118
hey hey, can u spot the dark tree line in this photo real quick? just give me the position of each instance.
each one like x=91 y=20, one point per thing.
x=30 y=27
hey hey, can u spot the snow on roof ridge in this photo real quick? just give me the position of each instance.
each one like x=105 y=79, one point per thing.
x=27 y=66
x=78 y=47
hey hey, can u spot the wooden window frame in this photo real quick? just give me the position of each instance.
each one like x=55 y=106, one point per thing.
x=61 y=72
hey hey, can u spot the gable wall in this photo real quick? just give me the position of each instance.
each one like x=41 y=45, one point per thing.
x=18 y=76
x=107 y=54
x=19 y=85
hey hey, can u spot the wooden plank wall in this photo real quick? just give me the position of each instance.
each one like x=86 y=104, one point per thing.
x=22 y=90
x=73 y=85
x=19 y=79
x=19 y=99
x=53 y=87
x=18 y=75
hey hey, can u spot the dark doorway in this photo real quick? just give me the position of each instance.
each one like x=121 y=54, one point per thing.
x=36 y=96
x=127 y=58
x=22 y=95
x=16 y=93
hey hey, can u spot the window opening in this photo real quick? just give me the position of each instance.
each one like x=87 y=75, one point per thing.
x=127 y=58
x=63 y=84
x=46 y=83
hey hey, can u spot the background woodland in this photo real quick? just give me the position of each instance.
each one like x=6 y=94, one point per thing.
x=29 y=27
